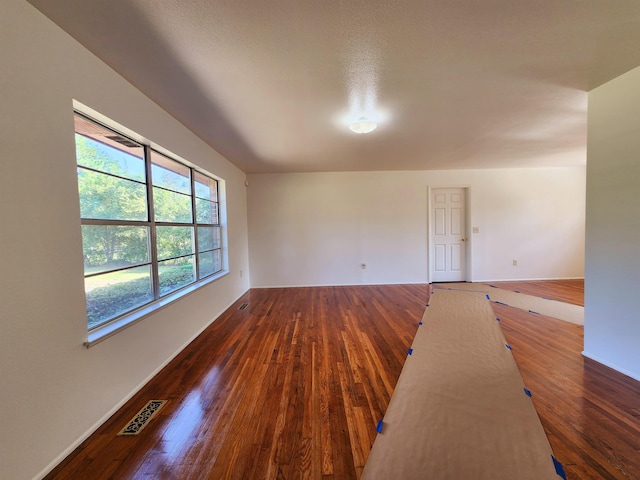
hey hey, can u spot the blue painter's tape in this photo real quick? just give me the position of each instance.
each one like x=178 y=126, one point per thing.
x=419 y=323
x=508 y=346
x=497 y=319
x=517 y=291
x=500 y=303
x=536 y=313
x=427 y=305
x=559 y=468
x=488 y=298
x=379 y=427
x=410 y=351
x=527 y=392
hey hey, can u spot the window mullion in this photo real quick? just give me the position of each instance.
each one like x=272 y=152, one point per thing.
x=100 y=221
x=119 y=177
x=153 y=248
x=195 y=223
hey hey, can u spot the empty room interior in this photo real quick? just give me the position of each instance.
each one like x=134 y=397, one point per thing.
x=337 y=240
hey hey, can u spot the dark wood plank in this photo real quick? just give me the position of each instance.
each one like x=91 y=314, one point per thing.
x=293 y=386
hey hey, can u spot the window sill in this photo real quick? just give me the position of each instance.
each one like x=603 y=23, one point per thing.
x=105 y=331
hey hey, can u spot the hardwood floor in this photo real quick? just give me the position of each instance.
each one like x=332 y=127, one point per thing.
x=568 y=291
x=290 y=387
x=591 y=413
x=294 y=385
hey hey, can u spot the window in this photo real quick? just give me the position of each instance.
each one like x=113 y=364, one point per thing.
x=150 y=224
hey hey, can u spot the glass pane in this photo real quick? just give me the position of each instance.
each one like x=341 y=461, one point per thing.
x=113 y=294
x=210 y=263
x=206 y=187
x=206 y=211
x=174 y=241
x=170 y=174
x=175 y=274
x=101 y=149
x=208 y=238
x=105 y=197
x=171 y=207
x=109 y=247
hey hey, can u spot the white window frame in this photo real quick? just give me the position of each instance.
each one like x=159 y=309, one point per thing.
x=114 y=325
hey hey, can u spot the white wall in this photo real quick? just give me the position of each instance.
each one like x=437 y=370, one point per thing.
x=54 y=390
x=612 y=282
x=318 y=228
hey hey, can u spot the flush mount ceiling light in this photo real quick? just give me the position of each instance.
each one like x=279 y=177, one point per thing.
x=363 y=126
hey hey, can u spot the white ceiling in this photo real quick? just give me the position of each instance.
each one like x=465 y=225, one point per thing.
x=453 y=84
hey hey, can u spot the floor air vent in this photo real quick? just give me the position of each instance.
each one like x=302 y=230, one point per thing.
x=143 y=417
x=243 y=306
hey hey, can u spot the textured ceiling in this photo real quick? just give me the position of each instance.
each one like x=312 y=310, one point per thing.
x=272 y=85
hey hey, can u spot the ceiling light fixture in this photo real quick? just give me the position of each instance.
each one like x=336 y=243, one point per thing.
x=363 y=126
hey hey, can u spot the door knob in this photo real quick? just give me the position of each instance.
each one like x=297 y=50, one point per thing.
x=464 y=239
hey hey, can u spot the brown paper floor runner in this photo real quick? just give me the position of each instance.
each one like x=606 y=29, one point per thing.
x=543 y=306
x=460 y=410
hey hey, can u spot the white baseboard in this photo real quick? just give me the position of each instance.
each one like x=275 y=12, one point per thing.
x=617 y=368
x=128 y=397
x=412 y=283
x=524 y=279
x=340 y=285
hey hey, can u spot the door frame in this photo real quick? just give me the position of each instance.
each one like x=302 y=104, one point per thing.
x=467 y=225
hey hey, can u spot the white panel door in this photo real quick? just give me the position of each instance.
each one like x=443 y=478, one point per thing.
x=448 y=236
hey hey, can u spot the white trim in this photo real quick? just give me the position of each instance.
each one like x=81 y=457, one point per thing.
x=525 y=279
x=341 y=285
x=408 y=283
x=628 y=373
x=44 y=472
x=468 y=264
